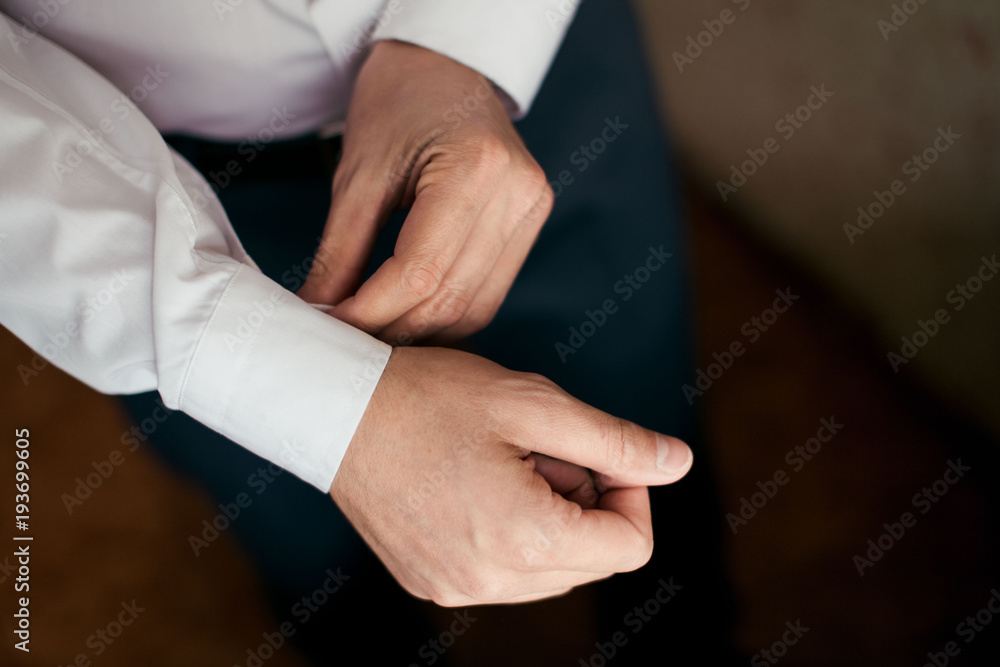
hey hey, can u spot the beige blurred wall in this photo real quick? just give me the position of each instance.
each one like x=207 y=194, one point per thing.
x=939 y=69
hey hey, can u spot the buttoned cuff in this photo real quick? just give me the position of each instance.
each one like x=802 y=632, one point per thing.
x=281 y=378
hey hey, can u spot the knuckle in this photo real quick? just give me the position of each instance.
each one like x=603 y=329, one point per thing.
x=530 y=558
x=621 y=439
x=546 y=201
x=486 y=589
x=534 y=178
x=449 y=308
x=587 y=492
x=493 y=155
x=422 y=278
x=541 y=393
x=538 y=382
x=486 y=158
x=538 y=551
x=447 y=591
x=536 y=198
x=542 y=545
x=533 y=397
x=449 y=599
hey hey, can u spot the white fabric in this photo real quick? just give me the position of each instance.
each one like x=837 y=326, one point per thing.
x=117 y=263
x=230 y=62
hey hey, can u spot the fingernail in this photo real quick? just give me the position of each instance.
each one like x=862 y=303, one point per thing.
x=672 y=455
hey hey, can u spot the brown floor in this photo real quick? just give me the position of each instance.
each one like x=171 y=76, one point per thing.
x=793 y=560
x=128 y=541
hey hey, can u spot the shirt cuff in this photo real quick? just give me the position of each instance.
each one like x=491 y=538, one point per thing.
x=510 y=42
x=281 y=378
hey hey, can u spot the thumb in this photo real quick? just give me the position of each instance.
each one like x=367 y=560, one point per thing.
x=620 y=452
x=673 y=456
x=359 y=209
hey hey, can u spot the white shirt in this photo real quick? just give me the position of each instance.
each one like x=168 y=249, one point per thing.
x=117 y=263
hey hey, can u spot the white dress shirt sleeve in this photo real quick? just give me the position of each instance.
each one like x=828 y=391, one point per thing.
x=118 y=265
x=511 y=42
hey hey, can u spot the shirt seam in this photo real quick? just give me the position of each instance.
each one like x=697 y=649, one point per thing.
x=198 y=345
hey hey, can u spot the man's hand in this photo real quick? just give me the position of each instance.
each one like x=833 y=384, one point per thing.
x=426 y=132
x=441 y=482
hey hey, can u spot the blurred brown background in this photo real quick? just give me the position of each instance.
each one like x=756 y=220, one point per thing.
x=825 y=358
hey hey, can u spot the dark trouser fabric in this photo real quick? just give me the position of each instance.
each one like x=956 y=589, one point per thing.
x=598 y=308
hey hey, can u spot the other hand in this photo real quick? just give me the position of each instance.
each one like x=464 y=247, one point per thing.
x=426 y=132
x=441 y=481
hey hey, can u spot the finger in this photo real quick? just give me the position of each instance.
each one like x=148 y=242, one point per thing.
x=616 y=537
x=491 y=294
x=568 y=480
x=475 y=262
x=429 y=242
x=621 y=452
x=359 y=209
